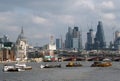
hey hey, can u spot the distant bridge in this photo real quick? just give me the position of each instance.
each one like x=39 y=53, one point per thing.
x=88 y=57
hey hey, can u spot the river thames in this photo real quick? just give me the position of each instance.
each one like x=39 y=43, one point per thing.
x=84 y=73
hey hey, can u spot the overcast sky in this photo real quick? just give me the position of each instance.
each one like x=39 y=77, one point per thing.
x=42 y=18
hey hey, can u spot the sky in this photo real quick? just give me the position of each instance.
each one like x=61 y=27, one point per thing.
x=43 y=18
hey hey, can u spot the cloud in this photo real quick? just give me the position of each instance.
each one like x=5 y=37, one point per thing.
x=42 y=17
x=38 y=36
x=6 y=17
x=39 y=20
x=108 y=5
x=109 y=16
x=88 y=4
x=66 y=19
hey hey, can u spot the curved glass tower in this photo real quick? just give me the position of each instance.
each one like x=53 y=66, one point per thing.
x=100 y=38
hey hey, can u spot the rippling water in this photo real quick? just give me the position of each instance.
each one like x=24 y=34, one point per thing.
x=85 y=73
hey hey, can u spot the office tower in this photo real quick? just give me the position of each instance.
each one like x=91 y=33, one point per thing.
x=90 y=40
x=77 y=43
x=117 y=35
x=68 y=41
x=117 y=40
x=99 y=38
x=58 y=43
x=73 y=39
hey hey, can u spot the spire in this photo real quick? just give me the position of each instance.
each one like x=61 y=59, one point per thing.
x=22 y=32
x=21 y=36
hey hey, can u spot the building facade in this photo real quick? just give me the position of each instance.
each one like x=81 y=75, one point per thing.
x=99 y=41
x=58 y=43
x=90 y=40
x=21 y=47
x=7 y=52
x=73 y=39
x=117 y=40
x=68 y=40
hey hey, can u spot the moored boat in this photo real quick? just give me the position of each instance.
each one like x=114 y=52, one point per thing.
x=50 y=66
x=11 y=68
x=23 y=66
x=72 y=64
x=101 y=64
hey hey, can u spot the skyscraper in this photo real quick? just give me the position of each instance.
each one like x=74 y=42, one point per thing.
x=90 y=40
x=73 y=39
x=58 y=44
x=117 y=40
x=68 y=41
x=99 y=38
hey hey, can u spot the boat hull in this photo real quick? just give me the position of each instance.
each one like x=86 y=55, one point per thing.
x=101 y=64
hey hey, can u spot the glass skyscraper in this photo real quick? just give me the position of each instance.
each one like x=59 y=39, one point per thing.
x=90 y=40
x=73 y=39
x=68 y=41
x=99 y=38
x=58 y=43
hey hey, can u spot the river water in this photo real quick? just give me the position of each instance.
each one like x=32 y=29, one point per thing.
x=84 y=73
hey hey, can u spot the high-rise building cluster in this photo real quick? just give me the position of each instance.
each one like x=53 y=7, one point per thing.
x=73 y=39
x=98 y=42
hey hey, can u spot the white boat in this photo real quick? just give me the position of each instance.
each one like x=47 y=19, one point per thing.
x=42 y=66
x=11 y=68
x=106 y=59
x=50 y=66
x=23 y=66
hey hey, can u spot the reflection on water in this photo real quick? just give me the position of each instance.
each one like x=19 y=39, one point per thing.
x=85 y=73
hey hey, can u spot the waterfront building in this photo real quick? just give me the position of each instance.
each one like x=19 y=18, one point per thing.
x=73 y=39
x=3 y=40
x=99 y=41
x=7 y=52
x=90 y=40
x=1 y=43
x=48 y=50
x=21 y=47
x=52 y=45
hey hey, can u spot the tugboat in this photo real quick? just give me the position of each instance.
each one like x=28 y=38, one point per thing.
x=72 y=64
x=101 y=64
